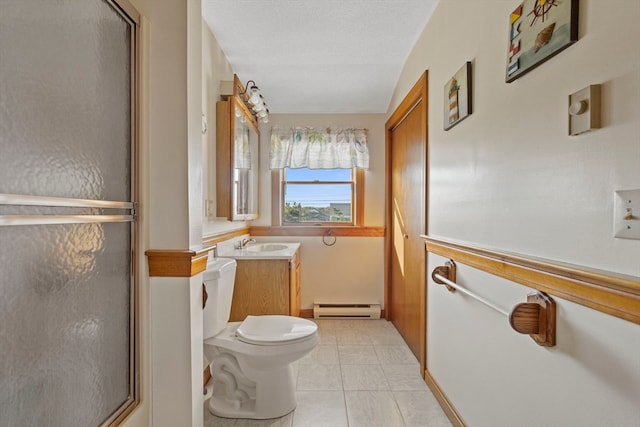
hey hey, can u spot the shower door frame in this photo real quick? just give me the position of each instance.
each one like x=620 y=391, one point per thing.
x=129 y=14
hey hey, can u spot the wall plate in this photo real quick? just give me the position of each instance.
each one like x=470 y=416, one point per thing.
x=626 y=214
x=584 y=110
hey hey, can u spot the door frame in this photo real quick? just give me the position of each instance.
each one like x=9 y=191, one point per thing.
x=416 y=95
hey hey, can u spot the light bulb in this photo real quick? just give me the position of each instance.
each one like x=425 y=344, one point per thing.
x=254 y=98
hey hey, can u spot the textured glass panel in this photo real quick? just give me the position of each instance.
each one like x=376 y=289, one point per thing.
x=64 y=323
x=65 y=123
x=65 y=111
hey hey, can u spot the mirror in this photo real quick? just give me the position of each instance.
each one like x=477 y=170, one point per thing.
x=237 y=161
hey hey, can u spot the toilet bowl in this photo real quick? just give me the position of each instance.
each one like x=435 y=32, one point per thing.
x=251 y=360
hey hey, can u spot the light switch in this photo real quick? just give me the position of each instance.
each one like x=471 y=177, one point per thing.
x=626 y=214
x=584 y=110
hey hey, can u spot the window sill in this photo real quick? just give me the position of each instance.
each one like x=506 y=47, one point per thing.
x=318 y=230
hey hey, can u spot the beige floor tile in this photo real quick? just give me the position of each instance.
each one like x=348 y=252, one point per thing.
x=404 y=377
x=211 y=420
x=319 y=377
x=285 y=421
x=320 y=409
x=420 y=409
x=395 y=355
x=352 y=323
x=322 y=354
x=325 y=324
x=372 y=409
x=385 y=337
x=363 y=377
x=352 y=336
x=357 y=354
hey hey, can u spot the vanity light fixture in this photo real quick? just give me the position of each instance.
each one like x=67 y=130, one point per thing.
x=254 y=98
x=250 y=96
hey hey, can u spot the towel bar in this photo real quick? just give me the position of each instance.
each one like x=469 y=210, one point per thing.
x=536 y=317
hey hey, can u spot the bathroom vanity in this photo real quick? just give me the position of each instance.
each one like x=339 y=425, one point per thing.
x=267 y=280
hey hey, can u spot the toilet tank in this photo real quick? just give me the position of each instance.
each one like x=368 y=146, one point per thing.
x=219 y=278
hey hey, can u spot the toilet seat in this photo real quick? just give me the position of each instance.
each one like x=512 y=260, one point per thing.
x=274 y=330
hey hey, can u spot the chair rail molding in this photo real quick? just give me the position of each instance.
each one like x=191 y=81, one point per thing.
x=607 y=292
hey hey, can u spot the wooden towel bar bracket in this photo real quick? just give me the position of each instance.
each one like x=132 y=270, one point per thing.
x=536 y=317
x=447 y=270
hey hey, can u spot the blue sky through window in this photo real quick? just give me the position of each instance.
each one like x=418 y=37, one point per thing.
x=318 y=195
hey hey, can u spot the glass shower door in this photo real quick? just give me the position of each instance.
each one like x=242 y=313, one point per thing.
x=67 y=212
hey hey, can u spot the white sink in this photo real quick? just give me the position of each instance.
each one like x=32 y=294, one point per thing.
x=262 y=250
x=266 y=247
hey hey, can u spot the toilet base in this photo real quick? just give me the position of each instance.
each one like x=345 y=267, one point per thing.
x=274 y=397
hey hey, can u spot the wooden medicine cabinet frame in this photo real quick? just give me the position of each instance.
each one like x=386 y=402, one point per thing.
x=237 y=178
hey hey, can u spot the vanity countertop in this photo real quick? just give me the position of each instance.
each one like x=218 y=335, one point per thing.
x=262 y=250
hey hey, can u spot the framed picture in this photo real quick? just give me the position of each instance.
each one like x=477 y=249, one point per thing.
x=538 y=30
x=457 y=97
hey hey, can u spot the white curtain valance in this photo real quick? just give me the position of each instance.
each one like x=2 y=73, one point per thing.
x=318 y=148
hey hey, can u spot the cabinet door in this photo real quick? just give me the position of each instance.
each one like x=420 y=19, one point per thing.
x=294 y=286
x=261 y=287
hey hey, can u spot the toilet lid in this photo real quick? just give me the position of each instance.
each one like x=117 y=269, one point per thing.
x=274 y=330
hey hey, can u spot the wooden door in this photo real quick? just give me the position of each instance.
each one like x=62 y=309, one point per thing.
x=406 y=213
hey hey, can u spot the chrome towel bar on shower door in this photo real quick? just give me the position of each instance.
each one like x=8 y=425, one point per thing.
x=536 y=317
x=21 y=200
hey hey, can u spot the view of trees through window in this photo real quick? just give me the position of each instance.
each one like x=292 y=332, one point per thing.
x=318 y=195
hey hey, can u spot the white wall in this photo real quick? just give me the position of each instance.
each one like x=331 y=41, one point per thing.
x=509 y=177
x=215 y=68
x=353 y=269
x=170 y=212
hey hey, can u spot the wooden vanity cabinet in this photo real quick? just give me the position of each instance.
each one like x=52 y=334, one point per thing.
x=294 y=286
x=266 y=286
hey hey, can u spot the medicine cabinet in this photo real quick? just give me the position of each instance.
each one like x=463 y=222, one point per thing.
x=237 y=159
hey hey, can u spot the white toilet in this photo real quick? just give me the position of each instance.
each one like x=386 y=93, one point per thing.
x=251 y=360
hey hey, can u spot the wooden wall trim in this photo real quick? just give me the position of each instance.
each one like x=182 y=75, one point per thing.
x=306 y=313
x=177 y=263
x=608 y=292
x=186 y=262
x=445 y=403
x=318 y=231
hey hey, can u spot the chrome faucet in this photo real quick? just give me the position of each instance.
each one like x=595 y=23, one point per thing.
x=244 y=242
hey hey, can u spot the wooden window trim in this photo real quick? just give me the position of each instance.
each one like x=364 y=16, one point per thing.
x=317 y=230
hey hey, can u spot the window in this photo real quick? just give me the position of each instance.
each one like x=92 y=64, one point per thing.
x=320 y=196
x=318 y=176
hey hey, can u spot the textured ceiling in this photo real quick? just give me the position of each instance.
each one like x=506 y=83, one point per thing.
x=319 y=56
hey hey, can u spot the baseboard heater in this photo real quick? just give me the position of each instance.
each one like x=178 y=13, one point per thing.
x=346 y=311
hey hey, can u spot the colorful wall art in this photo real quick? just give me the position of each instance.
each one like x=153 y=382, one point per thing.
x=538 y=30
x=457 y=97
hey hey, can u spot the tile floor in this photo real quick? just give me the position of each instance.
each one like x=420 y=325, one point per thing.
x=362 y=374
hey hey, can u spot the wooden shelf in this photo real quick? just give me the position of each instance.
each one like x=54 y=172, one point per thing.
x=185 y=262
